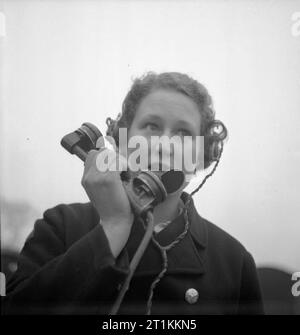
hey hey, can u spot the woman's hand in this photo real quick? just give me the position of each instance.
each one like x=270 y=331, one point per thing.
x=106 y=192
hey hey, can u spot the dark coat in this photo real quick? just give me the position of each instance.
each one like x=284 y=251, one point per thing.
x=66 y=267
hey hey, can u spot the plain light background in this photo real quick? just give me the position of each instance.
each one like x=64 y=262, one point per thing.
x=67 y=62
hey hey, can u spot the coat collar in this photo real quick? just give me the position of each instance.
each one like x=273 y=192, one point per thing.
x=187 y=257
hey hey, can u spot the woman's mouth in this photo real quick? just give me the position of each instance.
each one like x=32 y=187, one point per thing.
x=159 y=167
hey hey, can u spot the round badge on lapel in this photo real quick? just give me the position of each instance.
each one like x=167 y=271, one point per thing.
x=191 y=295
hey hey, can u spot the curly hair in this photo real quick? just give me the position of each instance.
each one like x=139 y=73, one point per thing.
x=214 y=131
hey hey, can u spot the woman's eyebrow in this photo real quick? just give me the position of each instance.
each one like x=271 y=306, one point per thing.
x=188 y=125
x=152 y=117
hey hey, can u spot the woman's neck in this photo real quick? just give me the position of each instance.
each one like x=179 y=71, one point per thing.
x=168 y=209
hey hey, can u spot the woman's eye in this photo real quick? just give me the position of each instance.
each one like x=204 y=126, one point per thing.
x=151 y=126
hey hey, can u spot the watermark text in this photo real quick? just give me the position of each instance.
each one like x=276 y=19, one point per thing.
x=296 y=285
x=3 y=284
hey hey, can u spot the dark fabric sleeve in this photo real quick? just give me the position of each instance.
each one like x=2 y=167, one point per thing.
x=53 y=279
x=250 y=301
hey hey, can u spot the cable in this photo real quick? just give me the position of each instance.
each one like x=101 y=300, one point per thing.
x=163 y=250
x=204 y=180
x=135 y=261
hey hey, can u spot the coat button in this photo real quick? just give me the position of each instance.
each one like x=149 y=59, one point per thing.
x=191 y=295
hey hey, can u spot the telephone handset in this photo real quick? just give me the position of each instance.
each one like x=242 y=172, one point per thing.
x=145 y=190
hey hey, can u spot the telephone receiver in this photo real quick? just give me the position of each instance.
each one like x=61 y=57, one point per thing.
x=144 y=189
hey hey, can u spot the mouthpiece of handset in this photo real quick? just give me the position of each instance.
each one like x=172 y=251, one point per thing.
x=146 y=189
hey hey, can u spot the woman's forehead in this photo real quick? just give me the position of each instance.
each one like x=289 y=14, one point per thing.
x=164 y=103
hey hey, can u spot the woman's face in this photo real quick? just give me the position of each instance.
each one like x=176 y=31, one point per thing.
x=166 y=113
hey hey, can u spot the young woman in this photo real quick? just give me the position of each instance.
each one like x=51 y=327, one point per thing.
x=77 y=258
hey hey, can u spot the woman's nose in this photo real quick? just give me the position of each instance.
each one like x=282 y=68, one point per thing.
x=162 y=145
